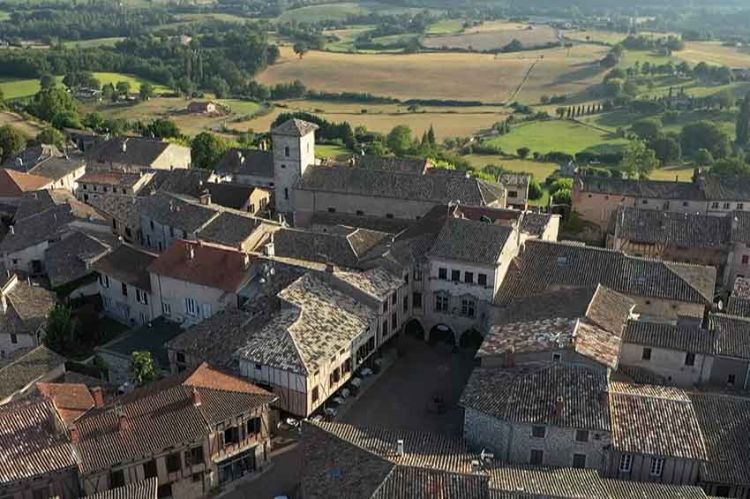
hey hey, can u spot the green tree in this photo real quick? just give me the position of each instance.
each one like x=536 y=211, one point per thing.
x=561 y=184
x=431 y=136
x=163 y=128
x=667 y=149
x=220 y=87
x=146 y=91
x=123 y=88
x=647 y=129
x=66 y=119
x=703 y=157
x=638 y=159
x=207 y=149
x=730 y=166
x=562 y=196
x=94 y=121
x=47 y=81
x=523 y=152
x=704 y=135
x=60 y=331
x=11 y=142
x=108 y=92
x=535 y=190
x=300 y=48
x=742 y=129
x=51 y=136
x=143 y=367
x=49 y=102
x=399 y=140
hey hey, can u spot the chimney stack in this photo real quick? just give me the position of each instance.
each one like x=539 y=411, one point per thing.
x=74 y=436
x=205 y=197
x=196 y=397
x=122 y=422
x=557 y=411
x=98 y=395
x=12 y=230
x=400 y=446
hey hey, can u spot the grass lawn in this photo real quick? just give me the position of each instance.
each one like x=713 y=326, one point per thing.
x=322 y=12
x=345 y=38
x=445 y=26
x=4 y=16
x=95 y=42
x=331 y=151
x=540 y=170
x=596 y=36
x=676 y=172
x=135 y=81
x=631 y=56
x=493 y=78
x=14 y=89
x=554 y=135
x=714 y=53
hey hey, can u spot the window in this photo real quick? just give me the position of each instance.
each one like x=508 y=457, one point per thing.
x=455 y=275
x=556 y=357
x=442 y=273
x=334 y=377
x=626 y=462
x=360 y=213
x=13 y=338
x=164 y=490
x=124 y=289
x=582 y=436
x=331 y=210
x=107 y=301
x=745 y=259
x=174 y=463
x=394 y=321
x=689 y=359
x=685 y=203
x=385 y=306
x=385 y=328
x=141 y=296
x=646 y=355
x=537 y=457
x=715 y=204
x=731 y=379
x=191 y=306
x=726 y=206
x=116 y=479
x=232 y=435
x=171 y=232
x=346 y=367
x=469 y=277
x=538 y=431
x=417 y=274
x=206 y=309
x=149 y=469
x=286 y=151
x=512 y=194
x=657 y=466
x=579 y=460
x=315 y=394
x=468 y=307
x=194 y=455
x=166 y=308
x=740 y=206
x=253 y=426
x=104 y=281
x=482 y=279
x=645 y=201
x=416 y=300
x=406 y=304
x=286 y=193
x=441 y=303
x=389 y=215
x=180 y=357
x=393 y=299
x=151 y=224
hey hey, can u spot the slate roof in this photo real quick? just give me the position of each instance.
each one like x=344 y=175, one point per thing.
x=442 y=189
x=724 y=420
x=568 y=396
x=124 y=209
x=66 y=260
x=528 y=482
x=642 y=188
x=688 y=230
x=27 y=369
x=113 y=179
x=376 y=282
x=233 y=196
x=162 y=416
x=144 y=489
x=250 y=162
x=37 y=229
x=56 y=168
x=732 y=335
x=470 y=241
x=392 y=164
x=28 y=307
x=138 y=151
x=229 y=229
x=671 y=336
x=740 y=226
x=71 y=400
x=344 y=250
x=189 y=182
x=544 y=267
x=725 y=187
x=31 y=156
x=30 y=443
x=378 y=224
x=175 y=212
x=655 y=420
x=317 y=322
x=127 y=264
x=294 y=128
x=210 y=265
x=14 y=183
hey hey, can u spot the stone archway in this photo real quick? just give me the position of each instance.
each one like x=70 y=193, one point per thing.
x=441 y=333
x=414 y=329
x=471 y=338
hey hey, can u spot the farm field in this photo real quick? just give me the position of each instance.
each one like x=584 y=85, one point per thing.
x=14 y=89
x=445 y=26
x=678 y=172
x=4 y=16
x=322 y=12
x=494 y=79
x=29 y=128
x=135 y=81
x=482 y=39
x=555 y=135
x=344 y=38
x=595 y=36
x=94 y=42
x=714 y=53
x=447 y=121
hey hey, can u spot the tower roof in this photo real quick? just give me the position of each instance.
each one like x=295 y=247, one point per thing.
x=295 y=128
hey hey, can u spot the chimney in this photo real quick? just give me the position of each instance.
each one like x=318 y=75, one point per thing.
x=122 y=422
x=196 y=397
x=400 y=446
x=98 y=394
x=12 y=230
x=74 y=436
x=558 y=409
x=270 y=248
x=205 y=197
x=604 y=398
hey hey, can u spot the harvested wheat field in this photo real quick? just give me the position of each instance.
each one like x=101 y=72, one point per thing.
x=492 y=39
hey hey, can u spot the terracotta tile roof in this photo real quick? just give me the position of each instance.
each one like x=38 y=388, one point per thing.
x=210 y=265
x=344 y=249
x=568 y=396
x=563 y=301
x=127 y=264
x=654 y=420
x=31 y=156
x=471 y=241
x=533 y=336
x=145 y=489
x=732 y=335
x=28 y=307
x=413 y=482
x=597 y=343
x=71 y=400
x=188 y=182
x=724 y=420
x=27 y=369
x=609 y=310
x=163 y=415
x=527 y=481
x=294 y=127
x=14 y=183
x=667 y=335
x=544 y=267
x=32 y=442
